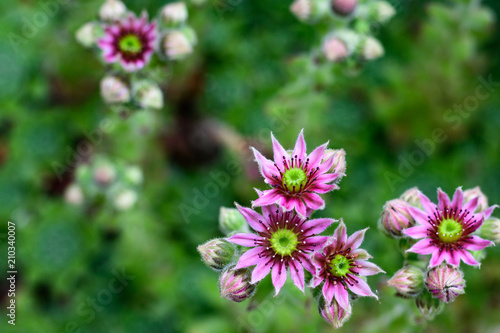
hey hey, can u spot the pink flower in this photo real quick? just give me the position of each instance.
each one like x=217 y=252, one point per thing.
x=129 y=42
x=296 y=178
x=340 y=264
x=282 y=241
x=445 y=230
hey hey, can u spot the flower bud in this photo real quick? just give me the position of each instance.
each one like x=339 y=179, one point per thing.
x=148 y=94
x=491 y=229
x=89 y=34
x=231 y=221
x=344 y=7
x=309 y=10
x=482 y=199
x=428 y=305
x=234 y=284
x=339 y=163
x=125 y=199
x=445 y=282
x=114 y=90
x=216 y=253
x=395 y=217
x=334 y=313
x=104 y=174
x=383 y=11
x=334 y=49
x=372 y=49
x=174 y=13
x=412 y=197
x=112 y=10
x=73 y=195
x=408 y=281
x=177 y=44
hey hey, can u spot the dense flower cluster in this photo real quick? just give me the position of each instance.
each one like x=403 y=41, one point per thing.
x=452 y=231
x=286 y=240
x=127 y=44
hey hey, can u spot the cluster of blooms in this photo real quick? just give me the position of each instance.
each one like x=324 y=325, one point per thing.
x=350 y=24
x=127 y=43
x=104 y=180
x=286 y=240
x=452 y=231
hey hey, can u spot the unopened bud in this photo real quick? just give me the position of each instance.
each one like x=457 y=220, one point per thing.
x=89 y=34
x=334 y=49
x=104 y=174
x=445 y=282
x=396 y=217
x=112 y=10
x=333 y=313
x=217 y=253
x=408 y=281
x=383 y=11
x=482 y=199
x=178 y=44
x=344 y=7
x=412 y=197
x=309 y=10
x=73 y=195
x=231 y=221
x=372 y=49
x=491 y=229
x=148 y=94
x=339 y=162
x=114 y=90
x=234 y=284
x=125 y=199
x=174 y=13
x=428 y=305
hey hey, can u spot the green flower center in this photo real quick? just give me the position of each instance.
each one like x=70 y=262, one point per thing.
x=294 y=177
x=284 y=242
x=130 y=43
x=449 y=231
x=340 y=266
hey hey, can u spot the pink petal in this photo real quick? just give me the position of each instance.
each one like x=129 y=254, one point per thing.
x=420 y=216
x=487 y=213
x=437 y=257
x=355 y=240
x=300 y=147
x=471 y=205
x=314 y=201
x=297 y=274
x=250 y=257
x=429 y=207
x=453 y=258
x=327 y=177
x=326 y=165
x=423 y=246
x=280 y=153
x=362 y=254
x=300 y=207
x=315 y=281
x=266 y=166
x=323 y=188
x=261 y=270
x=340 y=233
x=316 y=226
x=416 y=232
x=367 y=268
x=316 y=242
x=305 y=262
x=458 y=199
x=254 y=219
x=268 y=198
x=444 y=200
x=360 y=287
x=341 y=295
x=475 y=243
x=328 y=291
x=467 y=258
x=278 y=275
x=316 y=156
x=244 y=239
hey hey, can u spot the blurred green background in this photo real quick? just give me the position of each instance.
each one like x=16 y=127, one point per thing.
x=244 y=80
